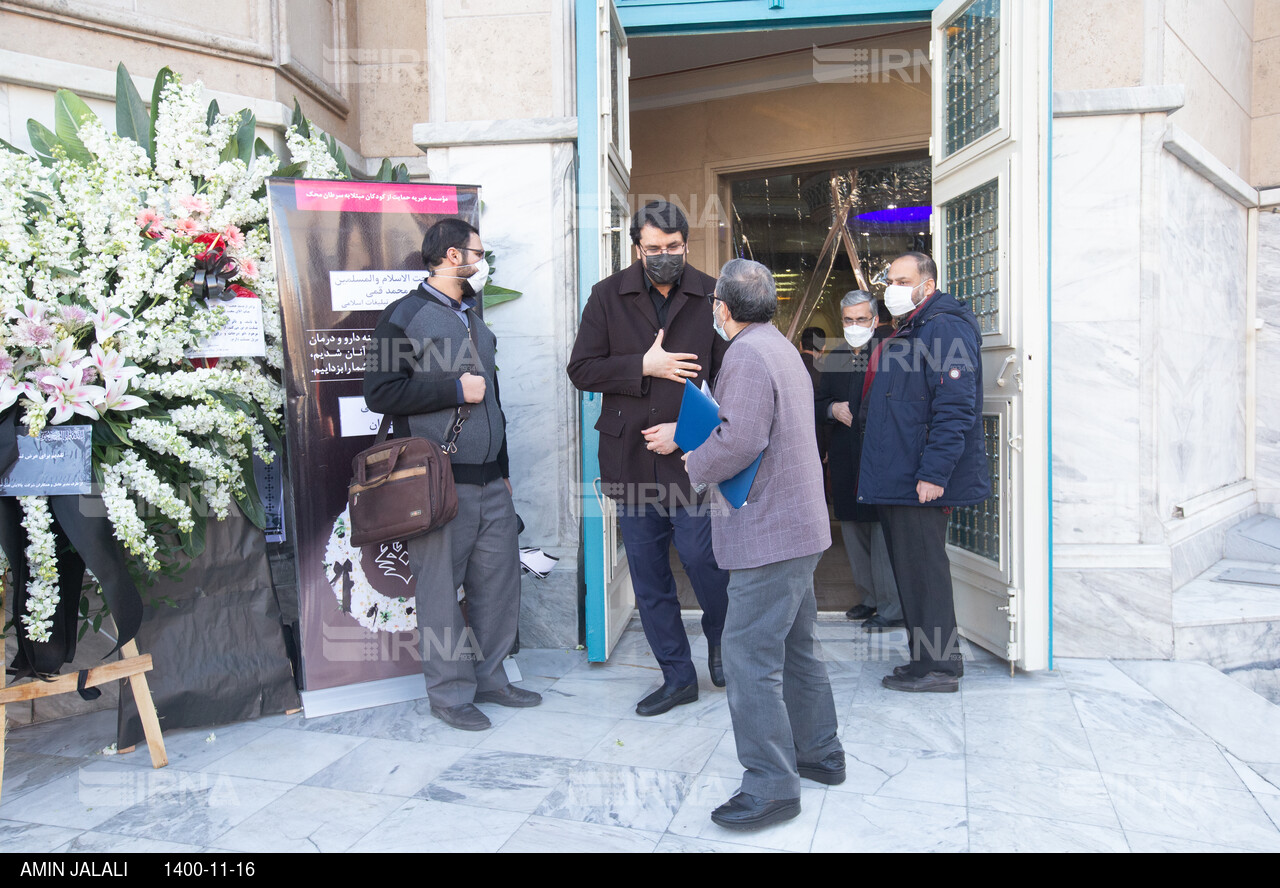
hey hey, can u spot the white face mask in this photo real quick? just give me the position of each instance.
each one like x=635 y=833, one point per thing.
x=715 y=324
x=857 y=336
x=899 y=299
x=480 y=278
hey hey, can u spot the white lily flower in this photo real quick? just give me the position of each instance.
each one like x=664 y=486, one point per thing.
x=69 y=398
x=115 y=398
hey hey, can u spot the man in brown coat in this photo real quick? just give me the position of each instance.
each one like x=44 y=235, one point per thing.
x=644 y=331
x=784 y=718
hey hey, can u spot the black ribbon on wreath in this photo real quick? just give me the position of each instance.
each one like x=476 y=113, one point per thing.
x=84 y=538
x=214 y=270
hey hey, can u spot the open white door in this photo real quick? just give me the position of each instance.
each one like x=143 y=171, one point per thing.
x=604 y=144
x=990 y=157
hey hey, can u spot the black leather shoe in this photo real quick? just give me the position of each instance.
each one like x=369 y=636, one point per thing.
x=715 y=665
x=903 y=671
x=510 y=696
x=879 y=624
x=464 y=717
x=666 y=698
x=745 y=811
x=859 y=612
x=829 y=771
x=933 y=683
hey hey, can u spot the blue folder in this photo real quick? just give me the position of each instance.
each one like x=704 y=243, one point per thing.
x=699 y=417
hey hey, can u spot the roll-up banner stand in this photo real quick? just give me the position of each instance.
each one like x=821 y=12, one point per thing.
x=344 y=251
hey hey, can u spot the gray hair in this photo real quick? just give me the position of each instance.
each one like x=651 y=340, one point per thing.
x=748 y=291
x=857 y=297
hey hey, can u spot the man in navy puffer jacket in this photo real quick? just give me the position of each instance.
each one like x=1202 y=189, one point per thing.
x=923 y=454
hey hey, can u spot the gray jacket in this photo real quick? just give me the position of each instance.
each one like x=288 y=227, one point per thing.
x=766 y=404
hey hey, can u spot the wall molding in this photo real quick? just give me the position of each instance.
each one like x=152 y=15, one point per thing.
x=1104 y=557
x=450 y=134
x=126 y=23
x=1124 y=100
x=1269 y=197
x=1200 y=159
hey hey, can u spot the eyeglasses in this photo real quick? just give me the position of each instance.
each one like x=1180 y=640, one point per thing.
x=713 y=298
x=472 y=250
x=861 y=322
x=659 y=251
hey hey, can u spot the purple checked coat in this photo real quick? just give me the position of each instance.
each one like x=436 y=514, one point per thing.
x=766 y=404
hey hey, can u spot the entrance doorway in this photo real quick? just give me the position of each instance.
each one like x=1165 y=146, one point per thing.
x=744 y=110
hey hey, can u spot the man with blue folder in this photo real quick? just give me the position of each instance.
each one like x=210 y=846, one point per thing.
x=645 y=331
x=784 y=718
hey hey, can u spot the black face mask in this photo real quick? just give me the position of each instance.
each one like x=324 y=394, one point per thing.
x=665 y=268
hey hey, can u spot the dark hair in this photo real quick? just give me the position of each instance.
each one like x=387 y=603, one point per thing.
x=666 y=217
x=446 y=235
x=927 y=267
x=809 y=338
x=747 y=289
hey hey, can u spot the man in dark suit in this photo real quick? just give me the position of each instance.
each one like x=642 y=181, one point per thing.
x=644 y=331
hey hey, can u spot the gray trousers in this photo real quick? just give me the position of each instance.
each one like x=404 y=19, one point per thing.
x=779 y=696
x=872 y=570
x=477 y=550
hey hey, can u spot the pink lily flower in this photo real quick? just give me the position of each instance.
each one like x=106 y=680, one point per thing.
x=69 y=398
x=107 y=322
x=116 y=399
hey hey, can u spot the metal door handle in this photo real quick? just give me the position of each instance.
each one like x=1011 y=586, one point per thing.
x=1004 y=368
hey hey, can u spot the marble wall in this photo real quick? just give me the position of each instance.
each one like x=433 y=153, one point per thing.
x=528 y=195
x=1267 y=442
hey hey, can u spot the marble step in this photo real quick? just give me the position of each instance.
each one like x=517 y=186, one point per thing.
x=1229 y=617
x=1255 y=539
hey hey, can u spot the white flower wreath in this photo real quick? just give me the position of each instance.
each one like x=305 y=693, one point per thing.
x=369 y=607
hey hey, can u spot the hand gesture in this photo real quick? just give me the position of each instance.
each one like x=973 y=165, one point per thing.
x=927 y=492
x=661 y=438
x=473 y=388
x=676 y=366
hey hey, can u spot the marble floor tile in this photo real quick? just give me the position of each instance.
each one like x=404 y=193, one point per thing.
x=724 y=759
x=616 y=795
x=310 y=819
x=1108 y=712
x=1255 y=777
x=195 y=808
x=101 y=842
x=27 y=771
x=79 y=736
x=1098 y=675
x=605 y=697
x=1191 y=811
x=388 y=767
x=993 y=832
x=1059 y=742
x=1147 y=843
x=1231 y=715
x=710 y=710
x=420 y=825
x=289 y=756
x=83 y=798
x=550 y=835
x=920 y=726
x=650 y=744
x=1181 y=762
x=693 y=820
x=30 y=837
x=546 y=663
x=874 y=824
x=904 y=774
x=411 y=721
x=673 y=844
x=1068 y=794
x=549 y=733
x=193 y=748
x=504 y=781
x=1271 y=805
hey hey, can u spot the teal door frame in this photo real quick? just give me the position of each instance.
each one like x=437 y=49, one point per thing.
x=655 y=17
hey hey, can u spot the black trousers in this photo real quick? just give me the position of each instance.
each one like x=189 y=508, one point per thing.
x=917 y=540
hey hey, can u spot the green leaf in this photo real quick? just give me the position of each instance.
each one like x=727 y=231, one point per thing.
x=336 y=152
x=163 y=79
x=291 y=171
x=84 y=630
x=495 y=295
x=6 y=146
x=245 y=136
x=402 y=173
x=249 y=501
x=69 y=112
x=211 y=117
x=385 y=172
x=261 y=148
x=42 y=141
x=300 y=121
x=132 y=121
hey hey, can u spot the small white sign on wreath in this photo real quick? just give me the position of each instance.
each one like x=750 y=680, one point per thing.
x=380 y=577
